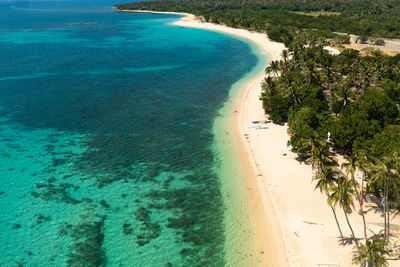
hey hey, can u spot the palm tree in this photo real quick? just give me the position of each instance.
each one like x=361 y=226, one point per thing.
x=326 y=179
x=344 y=94
x=364 y=164
x=327 y=77
x=372 y=253
x=289 y=93
x=269 y=87
x=285 y=55
x=350 y=167
x=396 y=171
x=342 y=194
x=309 y=73
x=318 y=155
x=392 y=169
x=313 y=40
x=381 y=172
x=273 y=67
x=284 y=63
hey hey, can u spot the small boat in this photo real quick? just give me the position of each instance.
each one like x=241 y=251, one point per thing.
x=261 y=122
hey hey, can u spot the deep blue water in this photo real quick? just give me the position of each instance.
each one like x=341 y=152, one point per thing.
x=105 y=136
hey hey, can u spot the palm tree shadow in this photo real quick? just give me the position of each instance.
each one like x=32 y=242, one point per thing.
x=376 y=209
x=347 y=241
x=376 y=206
x=301 y=159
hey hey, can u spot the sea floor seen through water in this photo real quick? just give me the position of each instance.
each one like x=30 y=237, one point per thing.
x=107 y=142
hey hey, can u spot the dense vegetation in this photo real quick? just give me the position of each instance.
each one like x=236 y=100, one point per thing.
x=373 y=18
x=353 y=97
x=346 y=104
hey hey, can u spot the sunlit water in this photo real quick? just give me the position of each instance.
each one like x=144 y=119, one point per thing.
x=107 y=140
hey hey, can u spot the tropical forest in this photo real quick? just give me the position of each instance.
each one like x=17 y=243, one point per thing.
x=342 y=110
x=343 y=106
x=369 y=18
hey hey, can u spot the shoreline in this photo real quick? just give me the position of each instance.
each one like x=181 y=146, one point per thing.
x=292 y=223
x=268 y=239
x=271 y=48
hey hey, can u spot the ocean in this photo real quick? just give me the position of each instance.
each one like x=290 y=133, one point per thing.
x=109 y=152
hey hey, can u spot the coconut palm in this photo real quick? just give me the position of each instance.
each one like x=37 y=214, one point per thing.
x=319 y=153
x=327 y=77
x=326 y=179
x=351 y=167
x=372 y=253
x=285 y=55
x=364 y=164
x=269 y=87
x=273 y=67
x=395 y=168
x=309 y=73
x=344 y=94
x=391 y=169
x=381 y=172
x=342 y=195
x=396 y=175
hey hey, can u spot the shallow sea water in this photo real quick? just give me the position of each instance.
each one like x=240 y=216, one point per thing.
x=108 y=152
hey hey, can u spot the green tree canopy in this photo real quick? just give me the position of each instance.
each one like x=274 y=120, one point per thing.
x=385 y=142
x=352 y=128
x=378 y=106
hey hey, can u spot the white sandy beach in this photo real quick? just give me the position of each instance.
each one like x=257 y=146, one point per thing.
x=293 y=224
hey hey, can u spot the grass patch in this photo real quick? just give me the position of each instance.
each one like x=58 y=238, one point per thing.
x=316 y=13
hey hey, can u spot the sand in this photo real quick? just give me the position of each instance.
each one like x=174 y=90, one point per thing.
x=269 y=242
x=292 y=223
x=391 y=47
x=364 y=49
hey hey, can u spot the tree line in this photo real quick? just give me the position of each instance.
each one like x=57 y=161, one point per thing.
x=372 y=18
x=344 y=104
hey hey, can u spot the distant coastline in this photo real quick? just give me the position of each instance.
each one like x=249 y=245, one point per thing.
x=148 y=11
x=273 y=49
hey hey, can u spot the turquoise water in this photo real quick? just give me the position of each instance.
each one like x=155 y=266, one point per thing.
x=107 y=145
x=240 y=249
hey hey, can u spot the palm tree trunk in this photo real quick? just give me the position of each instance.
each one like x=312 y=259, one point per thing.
x=361 y=208
x=387 y=208
x=359 y=198
x=351 y=229
x=388 y=224
x=396 y=189
x=384 y=208
x=385 y=222
x=337 y=223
